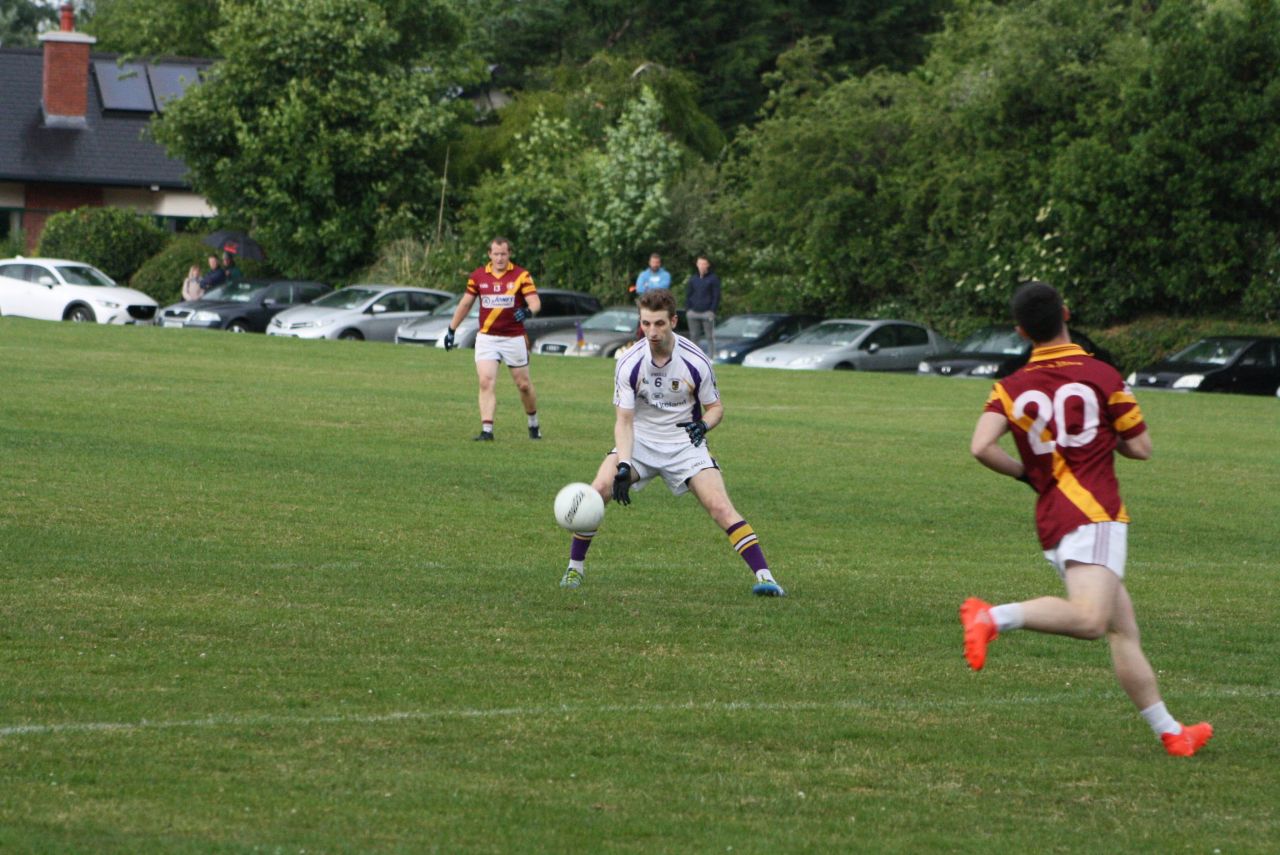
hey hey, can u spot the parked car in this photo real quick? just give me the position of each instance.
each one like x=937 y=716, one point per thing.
x=738 y=335
x=560 y=310
x=602 y=334
x=853 y=343
x=1245 y=364
x=54 y=289
x=358 y=312
x=244 y=306
x=997 y=351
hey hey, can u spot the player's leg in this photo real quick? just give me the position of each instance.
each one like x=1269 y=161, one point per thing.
x=708 y=486
x=1138 y=679
x=581 y=542
x=487 y=375
x=528 y=397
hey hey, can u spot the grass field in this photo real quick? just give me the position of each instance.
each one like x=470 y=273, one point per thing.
x=260 y=595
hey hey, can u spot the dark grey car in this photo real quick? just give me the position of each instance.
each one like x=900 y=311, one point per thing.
x=244 y=306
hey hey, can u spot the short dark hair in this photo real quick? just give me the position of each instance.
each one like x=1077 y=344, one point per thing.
x=659 y=300
x=500 y=239
x=1037 y=308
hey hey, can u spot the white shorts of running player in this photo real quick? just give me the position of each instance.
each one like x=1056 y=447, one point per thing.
x=1105 y=544
x=675 y=465
x=511 y=350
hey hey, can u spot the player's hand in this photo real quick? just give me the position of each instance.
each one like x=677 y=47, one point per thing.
x=523 y=314
x=1025 y=480
x=622 y=484
x=697 y=431
x=449 y=343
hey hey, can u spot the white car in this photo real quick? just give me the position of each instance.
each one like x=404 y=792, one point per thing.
x=54 y=289
x=372 y=312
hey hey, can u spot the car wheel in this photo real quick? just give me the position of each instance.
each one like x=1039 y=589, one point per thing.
x=79 y=314
x=238 y=326
x=350 y=335
x=846 y=366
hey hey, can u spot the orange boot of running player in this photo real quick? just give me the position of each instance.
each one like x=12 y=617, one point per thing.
x=1189 y=741
x=979 y=631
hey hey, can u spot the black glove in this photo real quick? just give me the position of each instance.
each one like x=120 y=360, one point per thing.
x=1025 y=480
x=622 y=484
x=523 y=314
x=697 y=431
x=448 y=340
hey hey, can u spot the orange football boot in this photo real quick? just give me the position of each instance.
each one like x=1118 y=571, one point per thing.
x=979 y=631
x=1189 y=741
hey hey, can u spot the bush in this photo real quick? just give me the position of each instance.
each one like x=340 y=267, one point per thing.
x=114 y=240
x=409 y=261
x=13 y=245
x=1149 y=339
x=161 y=275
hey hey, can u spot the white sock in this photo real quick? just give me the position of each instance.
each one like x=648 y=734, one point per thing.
x=1160 y=720
x=765 y=576
x=1007 y=616
x=575 y=565
x=533 y=420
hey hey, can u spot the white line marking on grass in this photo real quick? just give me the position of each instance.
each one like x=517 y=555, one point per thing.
x=237 y=721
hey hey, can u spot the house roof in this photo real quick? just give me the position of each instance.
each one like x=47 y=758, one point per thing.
x=110 y=149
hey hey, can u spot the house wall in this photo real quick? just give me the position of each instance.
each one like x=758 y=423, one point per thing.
x=159 y=203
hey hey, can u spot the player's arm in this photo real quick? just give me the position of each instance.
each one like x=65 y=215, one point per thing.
x=624 y=433
x=713 y=415
x=464 y=306
x=985 y=446
x=1137 y=447
x=532 y=305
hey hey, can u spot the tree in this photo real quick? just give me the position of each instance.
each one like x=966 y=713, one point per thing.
x=20 y=21
x=319 y=128
x=155 y=27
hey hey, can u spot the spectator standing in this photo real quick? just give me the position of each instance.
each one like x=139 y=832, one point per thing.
x=653 y=277
x=191 y=287
x=701 y=302
x=215 y=277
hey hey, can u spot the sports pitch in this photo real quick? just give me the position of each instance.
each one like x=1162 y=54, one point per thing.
x=264 y=595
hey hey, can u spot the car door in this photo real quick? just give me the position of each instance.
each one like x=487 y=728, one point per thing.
x=876 y=352
x=1256 y=373
x=912 y=346
x=386 y=314
x=557 y=313
x=30 y=291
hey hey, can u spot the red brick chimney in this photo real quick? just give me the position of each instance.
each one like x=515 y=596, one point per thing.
x=66 y=72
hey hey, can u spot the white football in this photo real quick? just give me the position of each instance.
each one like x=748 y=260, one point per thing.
x=579 y=508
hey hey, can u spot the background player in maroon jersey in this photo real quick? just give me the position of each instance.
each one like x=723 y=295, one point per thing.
x=1068 y=413
x=507 y=298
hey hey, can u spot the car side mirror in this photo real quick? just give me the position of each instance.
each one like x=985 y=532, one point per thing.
x=377 y=309
x=47 y=281
x=271 y=301
x=873 y=347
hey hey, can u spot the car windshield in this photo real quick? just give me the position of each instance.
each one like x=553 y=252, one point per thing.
x=612 y=320
x=83 y=274
x=235 y=292
x=1213 y=351
x=346 y=298
x=743 y=326
x=446 y=308
x=837 y=334
x=994 y=340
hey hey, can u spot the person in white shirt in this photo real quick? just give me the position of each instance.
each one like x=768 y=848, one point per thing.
x=666 y=401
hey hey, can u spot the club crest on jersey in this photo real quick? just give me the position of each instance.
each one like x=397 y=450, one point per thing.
x=675 y=385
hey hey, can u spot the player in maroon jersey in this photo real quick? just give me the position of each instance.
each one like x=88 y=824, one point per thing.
x=1068 y=414
x=507 y=298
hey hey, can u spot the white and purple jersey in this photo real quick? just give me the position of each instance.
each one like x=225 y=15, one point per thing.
x=664 y=396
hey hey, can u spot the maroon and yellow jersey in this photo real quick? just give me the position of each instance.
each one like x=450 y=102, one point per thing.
x=499 y=298
x=1066 y=411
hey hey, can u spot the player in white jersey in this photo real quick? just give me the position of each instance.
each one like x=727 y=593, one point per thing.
x=665 y=399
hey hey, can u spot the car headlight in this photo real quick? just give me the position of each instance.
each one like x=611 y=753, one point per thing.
x=924 y=368
x=1132 y=379
x=323 y=322
x=204 y=315
x=107 y=303
x=1188 y=381
x=986 y=369
x=806 y=360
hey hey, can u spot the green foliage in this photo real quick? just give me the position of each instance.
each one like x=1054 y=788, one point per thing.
x=162 y=274
x=1143 y=341
x=20 y=22
x=13 y=244
x=323 y=125
x=442 y=264
x=115 y=240
x=155 y=27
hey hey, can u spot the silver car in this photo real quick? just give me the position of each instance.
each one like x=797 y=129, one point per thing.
x=372 y=312
x=853 y=343
x=560 y=310
x=602 y=334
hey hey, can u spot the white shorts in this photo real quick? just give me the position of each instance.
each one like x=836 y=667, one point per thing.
x=1105 y=544
x=676 y=466
x=511 y=350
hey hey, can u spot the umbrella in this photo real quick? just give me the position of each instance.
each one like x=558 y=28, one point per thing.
x=237 y=243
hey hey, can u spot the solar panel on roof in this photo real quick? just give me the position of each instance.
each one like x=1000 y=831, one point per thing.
x=170 y=81
x=123 y=87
